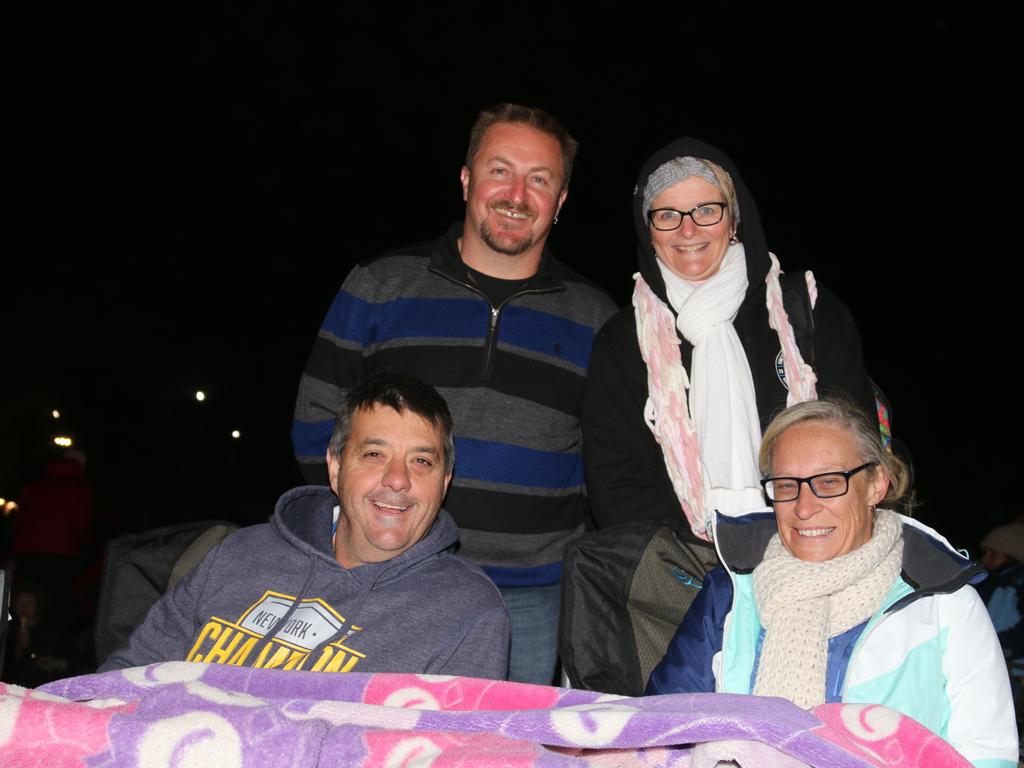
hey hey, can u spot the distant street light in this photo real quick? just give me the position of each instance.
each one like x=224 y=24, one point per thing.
x=56 y=413
x=200 y=395
x=62 y=441
x=236 y=434
x=9 y=507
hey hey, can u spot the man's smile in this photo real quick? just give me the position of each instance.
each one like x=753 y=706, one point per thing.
x=385 y=505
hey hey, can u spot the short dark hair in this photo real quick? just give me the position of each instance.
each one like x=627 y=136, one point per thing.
x=401 y=393
x=535 y=118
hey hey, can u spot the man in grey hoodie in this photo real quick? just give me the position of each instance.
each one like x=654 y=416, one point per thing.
x=359 y=577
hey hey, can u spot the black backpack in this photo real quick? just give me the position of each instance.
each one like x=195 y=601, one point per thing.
x=140 y=567
x=625 y=590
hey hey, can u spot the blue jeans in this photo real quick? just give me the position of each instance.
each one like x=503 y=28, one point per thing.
x=534 y=615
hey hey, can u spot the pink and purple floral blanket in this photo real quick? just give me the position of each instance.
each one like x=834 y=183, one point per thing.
x=181 y=714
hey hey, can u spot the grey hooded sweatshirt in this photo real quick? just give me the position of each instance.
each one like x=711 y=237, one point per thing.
x=275 y=596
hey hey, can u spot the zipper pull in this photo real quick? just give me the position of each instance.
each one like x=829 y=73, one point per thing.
x=492 y=341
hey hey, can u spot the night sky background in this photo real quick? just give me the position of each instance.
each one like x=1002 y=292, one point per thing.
x=192 y=182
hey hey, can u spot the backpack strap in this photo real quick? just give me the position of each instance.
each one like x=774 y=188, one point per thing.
x=797 y=303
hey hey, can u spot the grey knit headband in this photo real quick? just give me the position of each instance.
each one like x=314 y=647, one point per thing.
x=675 y=171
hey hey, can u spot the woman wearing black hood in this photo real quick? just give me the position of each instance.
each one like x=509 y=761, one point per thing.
x=682 y=382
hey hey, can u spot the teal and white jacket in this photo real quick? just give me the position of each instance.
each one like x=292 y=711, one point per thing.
x=929 y=651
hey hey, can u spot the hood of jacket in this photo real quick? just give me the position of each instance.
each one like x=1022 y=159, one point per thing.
x=930 y=563
x=304 y=518
x=749 y=231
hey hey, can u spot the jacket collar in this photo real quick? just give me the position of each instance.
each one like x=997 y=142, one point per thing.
x=930 y=563
x=446 y=260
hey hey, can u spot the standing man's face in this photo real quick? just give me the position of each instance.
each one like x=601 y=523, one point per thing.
x=390 y=481
x=514 y=189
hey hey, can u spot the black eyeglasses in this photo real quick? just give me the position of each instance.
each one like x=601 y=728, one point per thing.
x=827 y=485
x=703 y=215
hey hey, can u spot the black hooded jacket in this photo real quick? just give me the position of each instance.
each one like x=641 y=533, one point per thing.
x=625 y=467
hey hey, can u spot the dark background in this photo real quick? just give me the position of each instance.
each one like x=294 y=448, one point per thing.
x=192 y=182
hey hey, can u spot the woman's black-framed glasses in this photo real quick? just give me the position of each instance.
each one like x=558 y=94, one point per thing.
x=703 y=215
x=827 y=485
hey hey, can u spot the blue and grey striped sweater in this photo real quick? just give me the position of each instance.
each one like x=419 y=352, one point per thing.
x=513 y=377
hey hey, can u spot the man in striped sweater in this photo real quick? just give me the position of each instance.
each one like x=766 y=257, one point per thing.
x=487 y=316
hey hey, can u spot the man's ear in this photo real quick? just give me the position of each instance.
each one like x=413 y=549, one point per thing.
x=333 y=467
x=561 y=200
x=464 y=178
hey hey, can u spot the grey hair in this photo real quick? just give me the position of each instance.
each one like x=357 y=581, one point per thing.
x=844 y=414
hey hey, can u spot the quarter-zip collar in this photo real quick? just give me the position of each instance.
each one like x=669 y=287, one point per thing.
x=446 y=261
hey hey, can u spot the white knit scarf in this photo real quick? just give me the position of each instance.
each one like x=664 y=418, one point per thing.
x=707 y=423
x=803 y=604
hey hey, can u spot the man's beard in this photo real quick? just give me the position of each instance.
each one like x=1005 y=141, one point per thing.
x=511 y=244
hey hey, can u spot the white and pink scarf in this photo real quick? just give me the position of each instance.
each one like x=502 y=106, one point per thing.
x=707 y=422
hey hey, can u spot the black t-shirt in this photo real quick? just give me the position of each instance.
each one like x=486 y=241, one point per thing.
x=496 y=289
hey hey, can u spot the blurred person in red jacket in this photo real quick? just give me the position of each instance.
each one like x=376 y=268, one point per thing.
x=52 y=530
x=54 y=514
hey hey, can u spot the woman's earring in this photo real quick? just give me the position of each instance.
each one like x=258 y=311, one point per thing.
x=733 y=239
